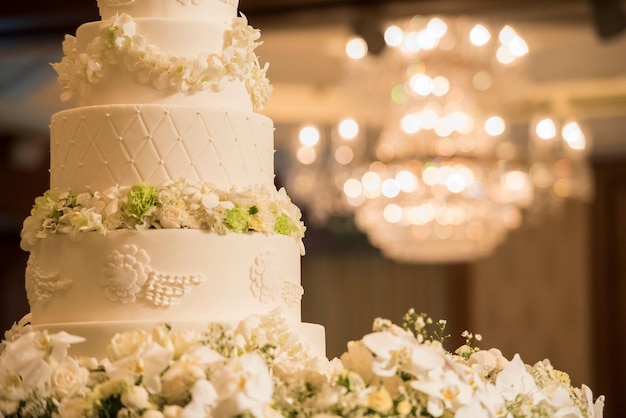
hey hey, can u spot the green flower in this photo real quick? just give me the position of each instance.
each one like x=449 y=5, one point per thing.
x=284 y=225
x=238 y=218
x=141 y=199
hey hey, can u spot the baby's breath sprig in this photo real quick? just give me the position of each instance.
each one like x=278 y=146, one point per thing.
x=470 y=347
x=416 y=324
x=440 y=334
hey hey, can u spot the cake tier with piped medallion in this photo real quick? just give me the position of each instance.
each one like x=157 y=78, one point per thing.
x=162 y=206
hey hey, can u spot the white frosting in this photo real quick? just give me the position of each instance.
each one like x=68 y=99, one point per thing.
x=191 y=9
x=93 y=148
x=164 y=275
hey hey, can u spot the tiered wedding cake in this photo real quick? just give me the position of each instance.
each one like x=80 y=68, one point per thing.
x=166 y=261
x=162 y=205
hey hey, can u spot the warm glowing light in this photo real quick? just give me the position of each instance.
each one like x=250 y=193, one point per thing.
x=352 y=188
x=431 y=175
x=441 y=86
x=348 y=128
x=436 y=28
x=392 y=213
x=456 y=182
x=421 y=84
x=516 y=180
x=506 y=35
x=460 y=121
x=443 y=127
x=518 y=47
x=482 y=81
x=546 y=129
x=504 y=55
x=356 y=48
x=428 y=118
x=390 y=188
x=344 y=155
x=411 y=42
x=573 y=136
x=370 y=181
x=479 y=35
x=309 y=136
x=410 y=123
x=393 y=36
x=306 y=155
x=406 y=181
x=495 y=126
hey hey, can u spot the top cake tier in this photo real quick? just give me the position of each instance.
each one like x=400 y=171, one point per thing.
x=188 y=9
x=170 y=52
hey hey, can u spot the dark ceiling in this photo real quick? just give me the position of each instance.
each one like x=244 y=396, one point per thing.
x=36 y=19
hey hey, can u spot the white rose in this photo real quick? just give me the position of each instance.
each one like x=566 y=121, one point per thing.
x=127 y=343
x=135 y=397
x=68 y=378
x=171 y=217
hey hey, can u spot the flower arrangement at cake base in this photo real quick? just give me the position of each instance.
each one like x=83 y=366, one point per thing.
x=261 y=369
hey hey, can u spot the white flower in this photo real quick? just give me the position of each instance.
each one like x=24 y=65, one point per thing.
x=515 y=380
x=487 y=362
x=203 y=397
x=149 y=361
x=18 y=329
x=182 y=374
x=183 y=340
x=172 y=217
x=126 y=344
x=68 y=378
x=401 y=351
x=135 y=397
x=360 y=360
x=243 y=385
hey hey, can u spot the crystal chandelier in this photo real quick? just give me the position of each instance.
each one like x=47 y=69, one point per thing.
x=444 y=178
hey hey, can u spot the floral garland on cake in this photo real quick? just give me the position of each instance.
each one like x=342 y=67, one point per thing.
x=119 y=42
x=176 y=204
x=261 y=369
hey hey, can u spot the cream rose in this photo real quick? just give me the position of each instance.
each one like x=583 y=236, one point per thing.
x=172 y=217
x=68 y=378
x=127 y=343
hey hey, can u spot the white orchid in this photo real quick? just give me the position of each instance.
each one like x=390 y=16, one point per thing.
x=261 y=369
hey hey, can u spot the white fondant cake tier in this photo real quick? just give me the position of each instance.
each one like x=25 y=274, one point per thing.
x=98 y=334
x=175 y=39
x=191 y=9
x=162 y=276
x=93 y=148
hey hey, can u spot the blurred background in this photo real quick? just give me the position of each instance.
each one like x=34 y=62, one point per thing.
x=466 y=158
